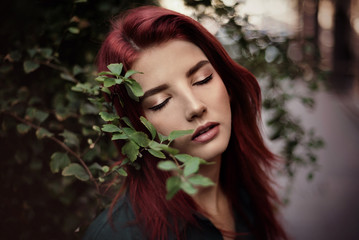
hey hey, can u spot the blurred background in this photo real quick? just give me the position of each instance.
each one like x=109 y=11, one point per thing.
x=305 y=54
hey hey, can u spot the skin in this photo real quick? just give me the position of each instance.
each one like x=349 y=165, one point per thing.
x=187 y=102
x=177 y=100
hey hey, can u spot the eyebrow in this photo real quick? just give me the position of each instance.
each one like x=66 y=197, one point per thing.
x=196 y=67
x=162 y=87
x=154 y=90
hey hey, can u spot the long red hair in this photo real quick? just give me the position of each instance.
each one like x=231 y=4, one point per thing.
x=246 y=162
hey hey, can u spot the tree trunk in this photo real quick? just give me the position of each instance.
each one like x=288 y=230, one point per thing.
x=343 y=57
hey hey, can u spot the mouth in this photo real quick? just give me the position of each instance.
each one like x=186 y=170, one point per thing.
x=206 y=132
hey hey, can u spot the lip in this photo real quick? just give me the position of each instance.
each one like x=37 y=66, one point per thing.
x=208 y=135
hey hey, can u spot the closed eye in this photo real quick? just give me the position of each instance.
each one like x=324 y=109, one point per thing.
x=159 y=106
x=204 y=81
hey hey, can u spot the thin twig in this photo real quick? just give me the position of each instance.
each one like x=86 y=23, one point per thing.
x=175 y=160
x=61 y=69
x=63 y=145
x=94 y=143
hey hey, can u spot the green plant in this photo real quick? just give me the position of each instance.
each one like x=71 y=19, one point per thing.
x=183 y=166
x=47 y=48
x=280 y=64
x=47 y=80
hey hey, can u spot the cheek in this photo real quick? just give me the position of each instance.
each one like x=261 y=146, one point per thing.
x=161 y=123
x=165 y=124
x=222 y=99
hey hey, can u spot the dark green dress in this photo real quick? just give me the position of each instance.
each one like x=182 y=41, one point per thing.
x=122 y=229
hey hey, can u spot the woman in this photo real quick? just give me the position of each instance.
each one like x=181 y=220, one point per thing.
x=190 y=82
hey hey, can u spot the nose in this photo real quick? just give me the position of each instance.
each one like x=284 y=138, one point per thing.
x=195 y=108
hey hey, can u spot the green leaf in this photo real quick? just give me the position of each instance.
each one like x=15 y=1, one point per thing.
x=79 y=87
x=96 y=128
x=74 y=30
x=88 y=109
x=131 y=150
x=115 y=68
x=130 y=93
x=121 y=172
x=119 y=80
x=75 y=169
x=140 y=138
x=191 y=166
x=67 y=77
x=310 y=176
x=106 y=73
x=134 y=89
x=100 y=78
x=149 y=126
x=124 y=162
x=129 y=73
x=30 y=66
x=59 y=161
x=77 y=70
x=158 y=147
x=155 y=145
x=41 y=116
x=31 y=52
x=179 y=133
x=111 y=128
x=23 y=94
x=128 y=131
x=183 y=157
x=15 y=55
x=169 y=149
x=188 y=188
x=128 y=122
x=105 y=169
x=162 y=137
x=156 y=153
x=23 y=128
x=173 y=185
x=106 y=90
x=34 y=100
x=108 y=116
x=95 y=167
x=42 y=133
x=167 y=165
x=119 y=136
x=108 y=82
x=70 y=138
x=62 y=113
x=33 y=113
x=46 y=52
x=200 y=180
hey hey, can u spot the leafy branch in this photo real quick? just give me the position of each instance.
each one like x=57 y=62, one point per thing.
x=59 y=160
x=184 y=167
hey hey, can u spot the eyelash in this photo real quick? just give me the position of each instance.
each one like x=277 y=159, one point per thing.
x=204 y=81
x=162 y=104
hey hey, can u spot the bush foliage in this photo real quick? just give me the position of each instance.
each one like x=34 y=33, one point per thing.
x=52 y=137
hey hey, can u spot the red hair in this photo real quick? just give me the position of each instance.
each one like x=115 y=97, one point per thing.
x=246 y=162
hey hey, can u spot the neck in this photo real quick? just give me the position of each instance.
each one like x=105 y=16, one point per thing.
x=212 y=202
x=210 y=198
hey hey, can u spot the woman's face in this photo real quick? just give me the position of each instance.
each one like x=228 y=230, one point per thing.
x=183 y=91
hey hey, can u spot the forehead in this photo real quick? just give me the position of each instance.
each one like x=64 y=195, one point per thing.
x=170 y=59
